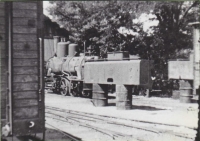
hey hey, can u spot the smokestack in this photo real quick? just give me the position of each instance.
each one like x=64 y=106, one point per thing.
x=55 y=40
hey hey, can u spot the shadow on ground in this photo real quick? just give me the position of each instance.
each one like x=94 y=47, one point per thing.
x=137 y=107
x=148 y=108
x=50 y=135
x=55 y=135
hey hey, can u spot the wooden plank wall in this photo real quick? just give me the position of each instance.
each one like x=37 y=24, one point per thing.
x=26 y=79
x=4 y=59
x=25 y=56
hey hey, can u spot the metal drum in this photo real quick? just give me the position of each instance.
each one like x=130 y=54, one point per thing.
x=123 y=97
x=175 y=94
x=100 y=95
x=185 y=91
x=72 y=49
x=62 y=49
x=185 y=94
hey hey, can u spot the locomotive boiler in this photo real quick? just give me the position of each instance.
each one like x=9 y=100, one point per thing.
x=75 y=74
x=66 y=70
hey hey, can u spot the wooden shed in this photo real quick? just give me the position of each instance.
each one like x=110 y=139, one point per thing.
x=21 y=47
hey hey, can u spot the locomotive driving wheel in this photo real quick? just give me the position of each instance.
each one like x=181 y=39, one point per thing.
x=74 y=89
x=64 y=88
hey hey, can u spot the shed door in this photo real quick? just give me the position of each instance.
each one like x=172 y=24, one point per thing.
x=26 y=96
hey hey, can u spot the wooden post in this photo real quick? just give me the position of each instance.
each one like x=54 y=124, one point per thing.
x=196 y=58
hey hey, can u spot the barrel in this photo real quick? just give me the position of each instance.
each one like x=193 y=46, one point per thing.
x=62 y=49
x=175 y=94
x=123 y=97
x=185 y=91
x=186 y=94
x=72 y=49
x=100 y=95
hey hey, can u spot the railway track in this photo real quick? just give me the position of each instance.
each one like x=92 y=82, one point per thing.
x=119 y=128
x=71 y=137
x=76 y=121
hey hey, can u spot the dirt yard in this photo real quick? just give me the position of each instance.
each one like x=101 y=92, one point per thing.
x=151 y=119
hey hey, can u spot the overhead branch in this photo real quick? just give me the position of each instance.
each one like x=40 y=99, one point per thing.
x=186 y=13
x=65 y=16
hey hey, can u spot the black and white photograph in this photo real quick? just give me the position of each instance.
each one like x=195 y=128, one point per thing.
x=100 y=70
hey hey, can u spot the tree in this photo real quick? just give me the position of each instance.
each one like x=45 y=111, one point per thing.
x=169 y=38
x=173 y=33
x=97 y=23
x=173 y=29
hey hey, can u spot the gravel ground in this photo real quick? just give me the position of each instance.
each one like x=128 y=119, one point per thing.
x=154 y=109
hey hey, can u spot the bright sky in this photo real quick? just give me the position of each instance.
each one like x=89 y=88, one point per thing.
x=45 y=5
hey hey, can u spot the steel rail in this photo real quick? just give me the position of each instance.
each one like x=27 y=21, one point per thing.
x=65 y=110
x=112 y=134
x=122 y=124
x=118 y=123
x=64 y=133
x=158 y=131
x=87 y=126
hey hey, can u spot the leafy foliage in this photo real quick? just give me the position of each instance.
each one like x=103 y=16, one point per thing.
x=173 y=33
x=99 y=23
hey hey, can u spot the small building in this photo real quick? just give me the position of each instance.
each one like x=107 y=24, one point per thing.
x=52 y=29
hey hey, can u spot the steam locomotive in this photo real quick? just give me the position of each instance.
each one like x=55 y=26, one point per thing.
x=74 y=74
x=71 y=73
